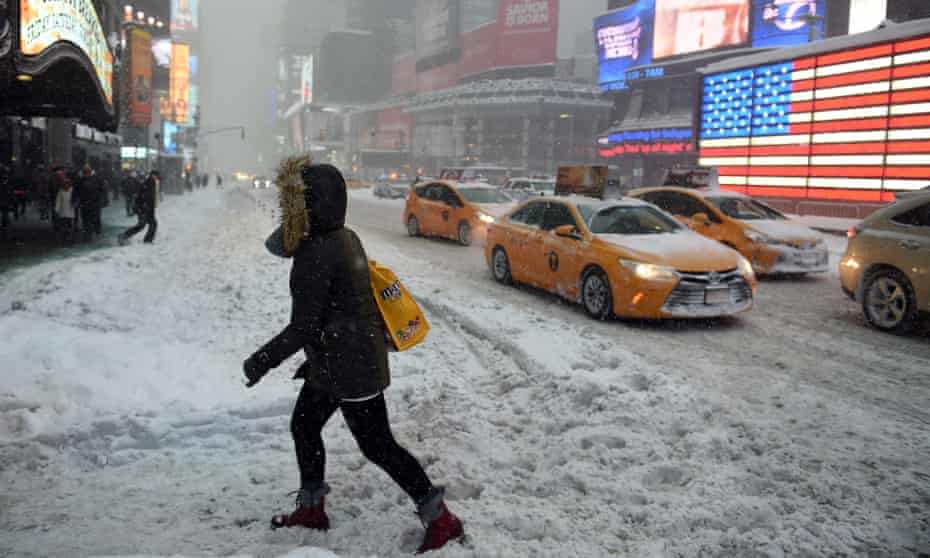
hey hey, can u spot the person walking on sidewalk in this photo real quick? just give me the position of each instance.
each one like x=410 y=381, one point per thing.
x=90 y=198
x=336 y=321
x=145 y=205
x=130 y=187
x=65 y=211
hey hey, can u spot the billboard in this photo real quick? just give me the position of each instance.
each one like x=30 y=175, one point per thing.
x=527 y=32
x=179 y=84
x=184 y=15
x=781 y=22
x=140 y=77
x=404 y=74
x=437 y=26
x=686 y=26
x=161 y=49
x=46 y=23
x=824 y=126
x=624 y=40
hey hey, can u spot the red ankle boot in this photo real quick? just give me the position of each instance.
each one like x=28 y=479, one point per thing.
x=441 y=525
x=310 y=512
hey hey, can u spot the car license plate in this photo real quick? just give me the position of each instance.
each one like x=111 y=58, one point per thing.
x=717 y=296
x=810 y=259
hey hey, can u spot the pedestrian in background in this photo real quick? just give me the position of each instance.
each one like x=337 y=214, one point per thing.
x=6 y=200
x=130 y=187
x=145 y=206
x=41 y=186
x=64 y=207
x=90 y=198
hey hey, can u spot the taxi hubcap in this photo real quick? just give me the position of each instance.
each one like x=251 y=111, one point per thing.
x=412 y=226
x=464 y=234
x=595 y=294
x=501 y=266
x=887 y=302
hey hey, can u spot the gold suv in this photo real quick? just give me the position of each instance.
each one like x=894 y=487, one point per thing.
x=887 y=263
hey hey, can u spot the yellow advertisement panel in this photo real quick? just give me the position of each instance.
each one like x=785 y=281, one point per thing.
x=140 y=77
x=179 y=83
x=44 y=23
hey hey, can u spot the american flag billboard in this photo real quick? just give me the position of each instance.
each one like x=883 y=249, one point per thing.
x=845 y=125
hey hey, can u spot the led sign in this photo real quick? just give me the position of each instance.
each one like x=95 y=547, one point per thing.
x=624 y=40
x=783 y=22
x=50 y=22
x=660 y=140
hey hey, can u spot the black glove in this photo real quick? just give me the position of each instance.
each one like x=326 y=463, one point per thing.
x=255 y=367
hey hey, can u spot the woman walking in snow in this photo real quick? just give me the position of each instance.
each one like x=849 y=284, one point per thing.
x=335 y=320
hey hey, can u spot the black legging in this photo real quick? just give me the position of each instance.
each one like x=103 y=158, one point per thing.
x=368 y=421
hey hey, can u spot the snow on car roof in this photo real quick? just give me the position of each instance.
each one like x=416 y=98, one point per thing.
x=473 y=185
x=597 y=204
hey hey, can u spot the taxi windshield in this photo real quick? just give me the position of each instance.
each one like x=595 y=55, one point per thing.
x=632 y=220
x=745 y=209
x=543 y=186
x=483 y=195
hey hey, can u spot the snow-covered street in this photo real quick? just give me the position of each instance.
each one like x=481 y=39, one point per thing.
x=125 y=428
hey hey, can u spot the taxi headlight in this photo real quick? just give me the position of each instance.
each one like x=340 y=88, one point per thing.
x=485 y=218
x=650 y=272
x=746 y=268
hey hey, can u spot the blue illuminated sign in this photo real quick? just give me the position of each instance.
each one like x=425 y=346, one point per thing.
x=778 y=23
x=624 y=40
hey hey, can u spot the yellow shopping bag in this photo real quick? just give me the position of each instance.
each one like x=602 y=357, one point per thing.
x=404 y=322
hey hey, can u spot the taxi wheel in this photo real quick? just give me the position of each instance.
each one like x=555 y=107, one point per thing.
x=888 y=301
x=463 y=235
x=596 y=294
x=500 y=266
x=413 y=226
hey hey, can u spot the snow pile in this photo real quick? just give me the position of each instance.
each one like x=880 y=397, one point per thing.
x=126 y=430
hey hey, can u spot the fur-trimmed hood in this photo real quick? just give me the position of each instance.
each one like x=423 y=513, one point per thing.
x=313 y=201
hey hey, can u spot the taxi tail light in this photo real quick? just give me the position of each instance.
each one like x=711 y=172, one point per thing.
x=852 y=232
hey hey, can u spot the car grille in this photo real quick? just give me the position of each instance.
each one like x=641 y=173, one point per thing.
x=692 y=288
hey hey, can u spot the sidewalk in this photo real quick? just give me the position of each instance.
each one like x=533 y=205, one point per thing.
x=31 y=240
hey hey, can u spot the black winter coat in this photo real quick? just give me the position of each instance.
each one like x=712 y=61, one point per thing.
x=334 y=317
x=90 y=192
x=145 y=199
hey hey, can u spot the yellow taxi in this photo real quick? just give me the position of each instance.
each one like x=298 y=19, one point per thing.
x=619 y=257
x=457 y=210
x=767 y=238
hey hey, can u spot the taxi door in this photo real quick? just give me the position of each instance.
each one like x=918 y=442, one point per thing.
x=452 y=211
x=521 y=237
x=431 y=210
x=684 y=207
x=561 y=258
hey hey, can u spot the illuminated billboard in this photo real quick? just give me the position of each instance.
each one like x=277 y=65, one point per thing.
x=686 y=26
x=179 y=83
x=845 y=124
x=306 y=81
x=44 y=24
x=184 y=15
x=783 y=22
x=624 y=40
x=140 y=77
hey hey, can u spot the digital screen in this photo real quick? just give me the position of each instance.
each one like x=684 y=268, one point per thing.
x=184 y=15
x=624 y=40
x=782 y=22
x=161 y=50
x=686 y=26
x=43 y=24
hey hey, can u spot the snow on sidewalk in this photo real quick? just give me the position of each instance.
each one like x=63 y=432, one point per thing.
x=125 y=429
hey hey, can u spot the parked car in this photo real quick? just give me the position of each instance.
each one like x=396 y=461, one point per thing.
x=457 y=210
x=522 y=188
x=391 y=190
x=619 y=257
x=767 y=238
x=886 y=266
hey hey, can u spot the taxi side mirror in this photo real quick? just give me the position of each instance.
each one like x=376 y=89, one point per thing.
x=701 y=219
x=568 y=231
